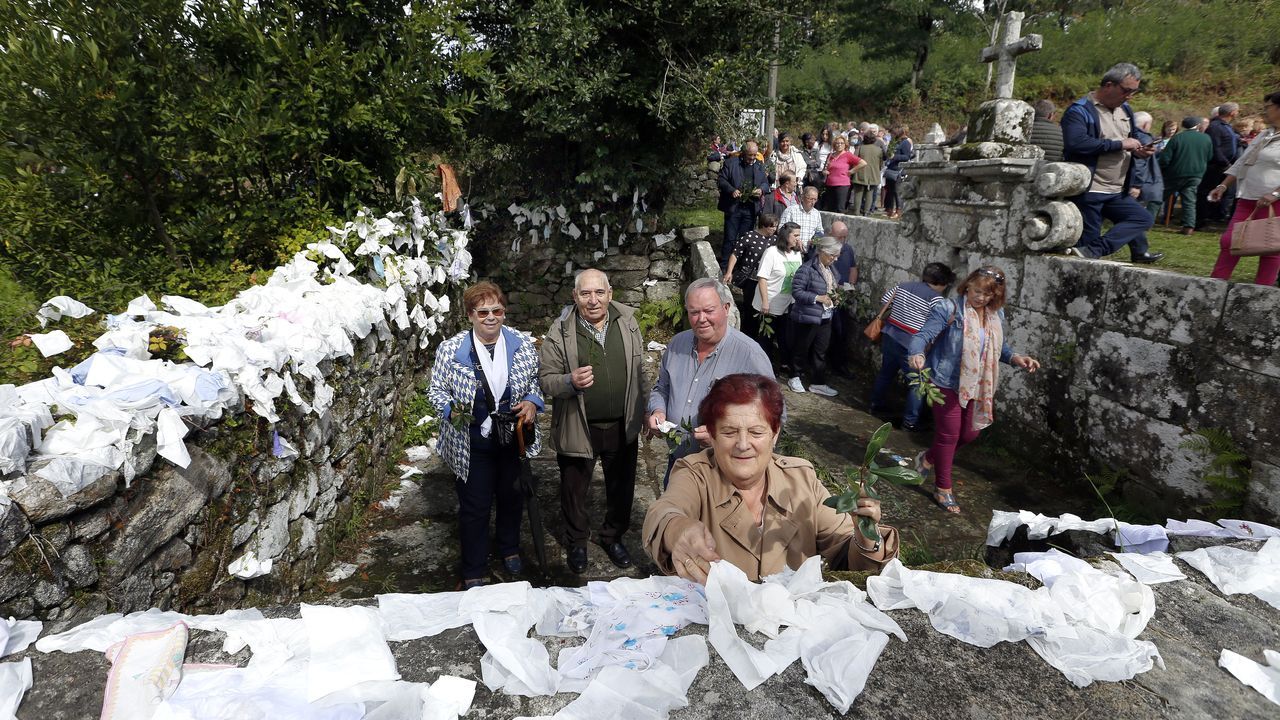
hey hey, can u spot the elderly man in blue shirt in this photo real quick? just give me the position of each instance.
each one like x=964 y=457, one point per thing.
x=694 y=360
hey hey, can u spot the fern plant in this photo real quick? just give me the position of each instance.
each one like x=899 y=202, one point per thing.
x=1229 y=468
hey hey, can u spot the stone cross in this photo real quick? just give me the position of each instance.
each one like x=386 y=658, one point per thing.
x=1006 y=52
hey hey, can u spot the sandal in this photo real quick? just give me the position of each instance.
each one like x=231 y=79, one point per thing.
x=946 y=500
x=920 y=468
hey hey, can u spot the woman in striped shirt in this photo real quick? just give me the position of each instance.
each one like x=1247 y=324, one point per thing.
x=909 y=305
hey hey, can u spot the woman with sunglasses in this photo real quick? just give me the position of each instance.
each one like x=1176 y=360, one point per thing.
x=483 y=379
x=965 y=343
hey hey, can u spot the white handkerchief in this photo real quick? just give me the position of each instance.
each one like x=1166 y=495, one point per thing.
x=1150 y=568
x=51 y=343
x=347 y=647
x=1263 y=678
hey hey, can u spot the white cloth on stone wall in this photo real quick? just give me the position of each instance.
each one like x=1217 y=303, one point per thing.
x=15 y=681
x=1085 y=624
x=1234 y=570
x=1263 y=678
x=306 y=313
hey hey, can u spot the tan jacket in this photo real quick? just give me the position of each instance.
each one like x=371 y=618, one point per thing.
x=559 y=356
x=796 y=523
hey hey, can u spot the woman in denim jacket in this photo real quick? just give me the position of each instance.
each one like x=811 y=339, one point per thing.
x=968 y=345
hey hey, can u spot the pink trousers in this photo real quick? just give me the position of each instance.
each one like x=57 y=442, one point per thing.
x=1268 y=265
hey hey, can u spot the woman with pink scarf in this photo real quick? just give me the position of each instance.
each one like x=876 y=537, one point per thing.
x=968 y=345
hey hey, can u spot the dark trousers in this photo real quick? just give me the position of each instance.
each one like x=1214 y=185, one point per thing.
x=893 y=357
x=776 y=345
x=1131 y=222
x=750 y=318
x=891 y=202
x=809 y=349
x=494 y=475
x=618 y=458
x=838 y=350
x=1211 y=211
x=739 y=219
x=834 y=198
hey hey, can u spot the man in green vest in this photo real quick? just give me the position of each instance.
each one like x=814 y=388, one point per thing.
x=591 y=369
x=1183 y=162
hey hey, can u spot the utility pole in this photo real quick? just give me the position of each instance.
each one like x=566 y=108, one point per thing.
x=770 y=116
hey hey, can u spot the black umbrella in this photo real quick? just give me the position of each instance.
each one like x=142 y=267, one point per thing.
x=529 y=487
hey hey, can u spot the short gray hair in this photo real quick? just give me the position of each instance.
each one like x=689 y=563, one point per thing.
x=577 y=278
x=1142 y=119
x=828 y=245
x=726 y=296
x=1227 y=108
x=1120 y=71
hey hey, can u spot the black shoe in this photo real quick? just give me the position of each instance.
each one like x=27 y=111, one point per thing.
x=1147 y=258
x=912 y=427
x=513 y=564
x=617 y=553
x=577 y=560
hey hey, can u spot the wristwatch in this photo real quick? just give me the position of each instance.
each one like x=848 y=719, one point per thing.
x=1275 y=194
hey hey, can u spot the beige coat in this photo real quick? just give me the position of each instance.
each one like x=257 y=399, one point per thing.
x=559 y=355
x=796 y=523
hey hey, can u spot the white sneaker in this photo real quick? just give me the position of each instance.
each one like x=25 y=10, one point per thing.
x=824 y=390
x=794 y=385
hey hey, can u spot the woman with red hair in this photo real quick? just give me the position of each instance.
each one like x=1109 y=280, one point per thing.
x=739 y=502
x=967 y=338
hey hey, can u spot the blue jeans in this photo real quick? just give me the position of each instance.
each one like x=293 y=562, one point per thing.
x=893 y=361
x=739 y=220
x=1131 y=222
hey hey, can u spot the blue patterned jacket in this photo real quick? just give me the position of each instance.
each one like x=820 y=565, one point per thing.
x=454 y=382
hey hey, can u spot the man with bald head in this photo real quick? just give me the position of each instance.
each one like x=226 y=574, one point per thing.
x=591 y=370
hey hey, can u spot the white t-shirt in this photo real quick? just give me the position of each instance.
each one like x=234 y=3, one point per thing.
x=777 y=268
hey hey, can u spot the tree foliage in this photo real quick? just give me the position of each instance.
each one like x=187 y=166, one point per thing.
x=584 y=94
x=143 y=136
x=1194 y=54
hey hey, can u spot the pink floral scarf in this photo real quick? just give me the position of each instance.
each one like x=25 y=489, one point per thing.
x=980 y=365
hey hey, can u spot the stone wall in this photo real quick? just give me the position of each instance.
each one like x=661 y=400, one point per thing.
x=1135 y=358
x=695 y=184
x=165 y=540
x=643 y=266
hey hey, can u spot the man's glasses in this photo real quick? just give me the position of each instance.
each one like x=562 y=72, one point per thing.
x=483 y=313
x=1129 y=92
x=994 y=274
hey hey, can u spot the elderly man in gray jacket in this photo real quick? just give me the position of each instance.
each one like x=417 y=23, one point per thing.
x=591 y=370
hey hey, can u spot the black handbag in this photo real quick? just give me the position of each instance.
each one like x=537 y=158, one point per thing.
x=503 y=429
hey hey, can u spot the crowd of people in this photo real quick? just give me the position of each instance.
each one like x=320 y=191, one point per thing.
x=852 y=170
x=1215 y=169
x=716 y=400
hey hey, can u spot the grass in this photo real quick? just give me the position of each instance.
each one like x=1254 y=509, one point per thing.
x=1191 y=254
x=696 y=217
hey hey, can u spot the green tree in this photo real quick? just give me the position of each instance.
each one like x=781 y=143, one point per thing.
x=904 y=27
x=142 y=136
x=584 y=94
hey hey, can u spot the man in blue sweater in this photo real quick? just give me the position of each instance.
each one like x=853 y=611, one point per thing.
x=1099 y=131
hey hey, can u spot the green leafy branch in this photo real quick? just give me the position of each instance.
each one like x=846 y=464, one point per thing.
x=860 y=480
x=679 y=433
x=766 y=325
x=461 y=419
x=921 y=383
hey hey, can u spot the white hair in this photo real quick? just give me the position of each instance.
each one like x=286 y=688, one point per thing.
x=1143 y=119
x=726 y=296
x=577 y=279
